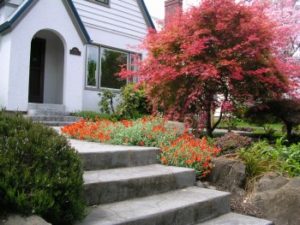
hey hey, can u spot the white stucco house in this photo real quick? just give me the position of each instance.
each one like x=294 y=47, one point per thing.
x=63 y=52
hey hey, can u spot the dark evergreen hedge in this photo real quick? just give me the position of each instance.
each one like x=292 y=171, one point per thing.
x=39 y=172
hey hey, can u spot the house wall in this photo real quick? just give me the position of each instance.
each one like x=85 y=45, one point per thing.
x=56 y=19
x=121 y=26
x=122 y=17
x=5 y=46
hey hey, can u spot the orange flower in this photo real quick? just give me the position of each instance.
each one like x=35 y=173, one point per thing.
x=164 y=160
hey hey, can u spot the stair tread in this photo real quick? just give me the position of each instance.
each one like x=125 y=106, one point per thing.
x=55 y=123
x=52 y=116
x=137 y=209
x=236 y=219
x=93 y=147
x=119 y=174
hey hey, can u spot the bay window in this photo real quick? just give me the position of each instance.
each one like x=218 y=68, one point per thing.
x=103 y=65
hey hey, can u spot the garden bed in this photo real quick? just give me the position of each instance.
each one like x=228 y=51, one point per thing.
x=177 y=148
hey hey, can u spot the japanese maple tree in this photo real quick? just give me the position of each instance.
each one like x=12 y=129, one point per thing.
x=219 y=54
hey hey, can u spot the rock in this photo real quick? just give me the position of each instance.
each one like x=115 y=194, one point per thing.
x=270 y=181
x=18 y=220
x=200 y=184
x=278 y=199
x=228 y=174
x=180 y=127
x=206 y=184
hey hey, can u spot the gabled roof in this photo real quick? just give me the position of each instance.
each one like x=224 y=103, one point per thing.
x=26 y=5
x=146 y=14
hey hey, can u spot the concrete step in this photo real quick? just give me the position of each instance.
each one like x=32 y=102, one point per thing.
x=46 y=109
x=52 y=118
x=55 y=123
x=96 y=156
x=106 y=186
x=236 y=219
x=181 y=207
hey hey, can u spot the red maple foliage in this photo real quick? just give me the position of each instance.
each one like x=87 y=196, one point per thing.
x=219 y=54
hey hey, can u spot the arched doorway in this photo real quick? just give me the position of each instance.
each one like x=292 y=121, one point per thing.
x=46 y=68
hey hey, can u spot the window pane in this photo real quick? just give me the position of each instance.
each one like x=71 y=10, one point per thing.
x=103 y=1
x=134 y=62
x=111 y=63
x=92 y=66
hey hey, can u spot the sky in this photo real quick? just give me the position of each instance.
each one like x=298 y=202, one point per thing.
x=156 y=7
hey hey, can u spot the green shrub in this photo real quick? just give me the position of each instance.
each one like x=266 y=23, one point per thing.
x=290 y=156
x=134 y=102
x=106 y=103
x=262 y=157
x=39 y=172
x=94 y=116
x=231 y=142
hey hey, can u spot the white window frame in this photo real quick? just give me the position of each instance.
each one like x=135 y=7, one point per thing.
x=98 y=86
x=87 y=67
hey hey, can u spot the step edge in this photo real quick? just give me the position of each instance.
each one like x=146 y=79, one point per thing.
x=116 y=180
x=221 y=196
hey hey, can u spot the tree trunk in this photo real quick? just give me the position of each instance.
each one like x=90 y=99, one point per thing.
x=209 y=129
x=289 y=128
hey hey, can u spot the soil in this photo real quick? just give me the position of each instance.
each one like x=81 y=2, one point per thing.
x=239 y=204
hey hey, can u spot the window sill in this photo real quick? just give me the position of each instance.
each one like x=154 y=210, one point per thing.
x=117 y=91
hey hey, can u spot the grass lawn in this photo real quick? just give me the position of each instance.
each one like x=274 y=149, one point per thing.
x=256 y=129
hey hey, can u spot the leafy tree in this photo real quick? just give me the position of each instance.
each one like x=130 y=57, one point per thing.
x=286 y=13
x=219 y=54
x=285 y=110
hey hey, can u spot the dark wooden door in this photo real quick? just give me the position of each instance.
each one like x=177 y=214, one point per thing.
x=37 y=68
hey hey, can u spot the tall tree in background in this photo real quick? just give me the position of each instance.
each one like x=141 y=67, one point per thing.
x=286 y=13
x=220 y=48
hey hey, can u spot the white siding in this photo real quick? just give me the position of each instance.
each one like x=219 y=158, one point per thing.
x=122 y=16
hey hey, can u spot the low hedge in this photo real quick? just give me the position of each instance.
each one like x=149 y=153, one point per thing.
x=39 y=172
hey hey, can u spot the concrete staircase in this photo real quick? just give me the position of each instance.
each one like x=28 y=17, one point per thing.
x=50 y=114
x=126 y=186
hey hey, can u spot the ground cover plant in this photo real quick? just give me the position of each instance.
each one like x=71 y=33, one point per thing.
x=231 y=142
x=94 y=116
x=262 y=157
x=178 y=150
x=39 y=172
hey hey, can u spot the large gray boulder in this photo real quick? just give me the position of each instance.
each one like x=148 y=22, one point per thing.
x=278 y=199
x=228 y=174
x=18 y=220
